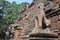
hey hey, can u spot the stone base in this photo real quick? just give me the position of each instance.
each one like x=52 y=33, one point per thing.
x=37 y=38
x=45 y=35
x=36 y=30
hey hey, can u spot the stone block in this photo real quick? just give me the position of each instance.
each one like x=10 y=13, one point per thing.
x=55 y=18
x=58 y=24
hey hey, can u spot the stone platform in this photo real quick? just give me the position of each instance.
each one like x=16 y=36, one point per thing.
x=44 y=36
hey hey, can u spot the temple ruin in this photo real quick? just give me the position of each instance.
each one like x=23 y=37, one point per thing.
x=26 y=23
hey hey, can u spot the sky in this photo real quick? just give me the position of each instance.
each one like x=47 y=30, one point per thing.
x=20 y=1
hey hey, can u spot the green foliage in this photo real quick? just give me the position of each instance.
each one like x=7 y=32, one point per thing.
x=11 y=12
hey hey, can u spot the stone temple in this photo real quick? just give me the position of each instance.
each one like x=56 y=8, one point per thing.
x=23 y=27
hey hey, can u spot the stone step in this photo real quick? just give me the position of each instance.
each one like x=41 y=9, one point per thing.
x=45 y=35
x=37 y=38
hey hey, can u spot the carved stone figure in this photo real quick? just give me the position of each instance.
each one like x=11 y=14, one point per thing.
x=40 y=17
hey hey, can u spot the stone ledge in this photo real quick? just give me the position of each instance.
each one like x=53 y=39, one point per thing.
x=45 y=35
x=37 y=38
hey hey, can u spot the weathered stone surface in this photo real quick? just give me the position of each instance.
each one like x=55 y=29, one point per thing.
x=58 y=24
x=43 y=38
x=44 y=33
x=17 y=34
x=27 y=24
x=55 y=18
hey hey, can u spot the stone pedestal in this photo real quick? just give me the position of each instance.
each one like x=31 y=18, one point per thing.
x=43 y=35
